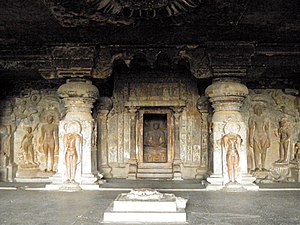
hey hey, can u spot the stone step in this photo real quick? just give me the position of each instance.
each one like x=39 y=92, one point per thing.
x=155 y=165
x=155 y=170
x=155 y=175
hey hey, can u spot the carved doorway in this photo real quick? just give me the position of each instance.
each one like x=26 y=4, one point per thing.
x=155 y=144
x=155 y=138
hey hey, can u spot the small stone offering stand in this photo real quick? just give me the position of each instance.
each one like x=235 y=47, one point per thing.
x=146 y=205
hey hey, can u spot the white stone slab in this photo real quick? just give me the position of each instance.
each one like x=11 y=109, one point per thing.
x=150 y=206
x=167 y=203
x=178 y=216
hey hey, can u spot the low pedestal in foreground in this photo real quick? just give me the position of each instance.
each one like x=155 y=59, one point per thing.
x=146 y=205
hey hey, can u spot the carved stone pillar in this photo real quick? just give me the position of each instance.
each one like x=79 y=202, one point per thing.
x=227 y=96
x=77 y=135
x=132 y=171
x=177 y=161
x=203 y=109
x=102 y=143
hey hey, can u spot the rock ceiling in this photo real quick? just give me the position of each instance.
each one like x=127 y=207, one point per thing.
x=87 y=12
x=148 y=22
x=32 y=30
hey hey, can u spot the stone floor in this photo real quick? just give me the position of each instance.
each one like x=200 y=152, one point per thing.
x=28 y=203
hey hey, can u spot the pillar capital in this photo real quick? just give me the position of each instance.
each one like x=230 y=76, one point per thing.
x=226 y=94
x=78 y=95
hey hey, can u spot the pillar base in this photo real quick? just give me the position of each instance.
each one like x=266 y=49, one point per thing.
x=75 y=187
x=177 y=175
x=87 y=182
x=106 y=170
x=11 y=170
x=132 y=173
x=216 y=183
x=295 y=170
x=201 y=172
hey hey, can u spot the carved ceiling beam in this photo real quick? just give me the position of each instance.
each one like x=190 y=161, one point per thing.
x=24 y=57
x=70 y=61
x=229 y=59
x=212 y=59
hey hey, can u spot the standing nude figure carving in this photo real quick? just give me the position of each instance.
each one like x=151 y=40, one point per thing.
x=259 y=137
x=72 y=142
x=49 y=141
x=284 y=142
x=27 y=146
x=231 y=144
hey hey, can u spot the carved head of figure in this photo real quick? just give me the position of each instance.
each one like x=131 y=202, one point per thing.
x=283 y=122
x=258 y=109
x=50 y=119
x=155 y=126
x=29 y=130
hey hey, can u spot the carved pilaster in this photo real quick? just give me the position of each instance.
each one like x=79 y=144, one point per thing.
x=102 y=144
x=202 y=107
x=104 y=107
x=132 y=172
x=177 y=161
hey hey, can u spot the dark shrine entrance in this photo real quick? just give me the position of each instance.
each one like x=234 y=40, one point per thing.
x=155 y=138
x=155 y=144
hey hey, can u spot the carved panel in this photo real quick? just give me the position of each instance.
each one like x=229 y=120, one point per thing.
x=36 y=115
x=154 y=91
x=121 y=138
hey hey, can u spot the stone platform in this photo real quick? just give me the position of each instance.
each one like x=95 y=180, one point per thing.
x=146 y=205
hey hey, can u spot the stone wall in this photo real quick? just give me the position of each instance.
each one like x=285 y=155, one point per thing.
x=24 y=116
x=153 y=91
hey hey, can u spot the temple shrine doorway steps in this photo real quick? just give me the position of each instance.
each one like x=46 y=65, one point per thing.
x=155 y=171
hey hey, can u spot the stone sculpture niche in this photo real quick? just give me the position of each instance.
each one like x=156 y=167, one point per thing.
x=155 y=138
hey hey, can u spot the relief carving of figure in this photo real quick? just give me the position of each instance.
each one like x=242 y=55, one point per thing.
x=155 y=137
x=49 y=141
x=284 y=142
x=72 y=143
x=27 y=146
x=297 y=151
x=259 y=137
x=231 y=144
